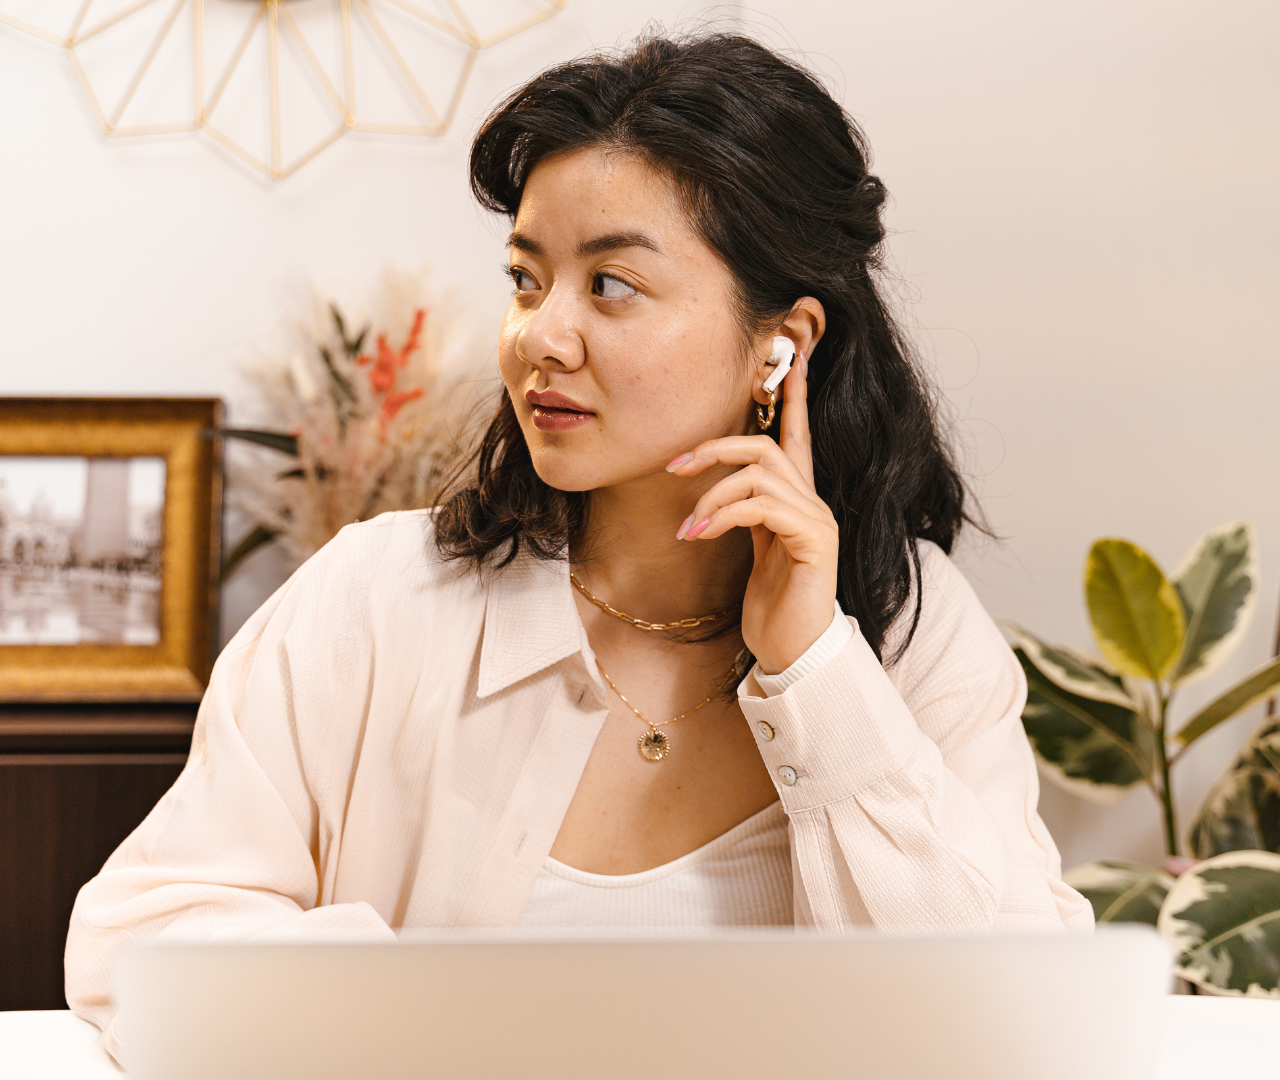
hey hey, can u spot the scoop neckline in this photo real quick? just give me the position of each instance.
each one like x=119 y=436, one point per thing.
x=755 y=823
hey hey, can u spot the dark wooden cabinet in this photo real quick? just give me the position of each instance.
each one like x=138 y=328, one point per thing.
x=75 y=780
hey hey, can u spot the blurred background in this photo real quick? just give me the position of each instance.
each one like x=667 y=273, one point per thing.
x=1084 y=224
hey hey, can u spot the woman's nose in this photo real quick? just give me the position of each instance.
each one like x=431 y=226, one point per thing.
x=551 y=340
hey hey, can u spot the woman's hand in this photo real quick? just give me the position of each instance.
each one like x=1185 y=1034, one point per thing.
x=791 y=593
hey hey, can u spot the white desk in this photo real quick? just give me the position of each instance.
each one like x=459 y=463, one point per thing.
x=52 y=1046
x=1204 y=1039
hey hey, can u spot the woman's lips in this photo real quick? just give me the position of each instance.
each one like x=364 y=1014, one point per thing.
x=549 y=419
x=555 y=412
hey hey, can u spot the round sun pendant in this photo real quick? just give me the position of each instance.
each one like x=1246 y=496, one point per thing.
x=654 y=745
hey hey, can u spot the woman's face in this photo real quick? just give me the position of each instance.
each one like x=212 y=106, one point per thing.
x=620 y=349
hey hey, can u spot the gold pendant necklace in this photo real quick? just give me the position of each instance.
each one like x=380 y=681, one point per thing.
x=679 y=624
x=654 y=745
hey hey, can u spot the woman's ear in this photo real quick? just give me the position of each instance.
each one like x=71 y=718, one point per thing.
x=804 y=325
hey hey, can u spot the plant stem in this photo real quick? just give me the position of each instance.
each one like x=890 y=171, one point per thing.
x=1275 y=651
x=1166 y=789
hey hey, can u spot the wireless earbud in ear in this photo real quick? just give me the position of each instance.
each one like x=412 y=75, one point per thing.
x=784 y=352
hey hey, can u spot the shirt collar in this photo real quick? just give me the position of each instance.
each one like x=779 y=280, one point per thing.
x=530 y=622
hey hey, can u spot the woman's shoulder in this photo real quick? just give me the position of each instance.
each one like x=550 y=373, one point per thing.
x=943 y=586
x=392 y=527
x=370 y=570
x=953 y=623
x=394 y=556
x=393 y=544
x=958 y=675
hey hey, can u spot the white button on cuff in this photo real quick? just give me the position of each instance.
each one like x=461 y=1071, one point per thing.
x=766 y=732
x=787 y=775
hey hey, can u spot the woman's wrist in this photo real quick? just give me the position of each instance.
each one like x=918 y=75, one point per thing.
x=827 y=646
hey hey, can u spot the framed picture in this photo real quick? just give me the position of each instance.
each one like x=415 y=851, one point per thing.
x=110 y=519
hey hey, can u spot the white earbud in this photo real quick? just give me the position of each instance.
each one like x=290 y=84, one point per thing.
x=784 y=352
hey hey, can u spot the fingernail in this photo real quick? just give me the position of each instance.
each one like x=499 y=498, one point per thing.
x=681 y=460
x=697 y=528
x=684 y=527
x=804 y=365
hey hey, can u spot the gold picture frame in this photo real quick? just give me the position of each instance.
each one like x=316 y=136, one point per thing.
x=184 y=557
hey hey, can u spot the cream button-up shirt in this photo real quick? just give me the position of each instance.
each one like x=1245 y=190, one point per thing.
x=393 y=741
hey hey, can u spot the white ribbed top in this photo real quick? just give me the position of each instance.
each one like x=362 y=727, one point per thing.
x=741 y=878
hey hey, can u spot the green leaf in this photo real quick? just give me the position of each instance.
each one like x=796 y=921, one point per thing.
x=351 y=346
x=1262 y=684
x=338 y=321
x=1121 y=891
x=259 y=537
x=1242 y=810
x=1092 y=748
x=1072 y=671
x=1137 y=616
x=1216 y=585
x=318 y=471
x=276 y=440
x=1222 y=918
x=342 y=388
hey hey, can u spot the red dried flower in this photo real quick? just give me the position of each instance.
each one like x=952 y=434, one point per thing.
x=389 y=362
x=393 y=403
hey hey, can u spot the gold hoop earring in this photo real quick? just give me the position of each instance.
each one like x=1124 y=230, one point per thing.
x=764 y=419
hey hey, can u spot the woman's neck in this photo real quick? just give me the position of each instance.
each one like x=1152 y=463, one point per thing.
x=628 y=554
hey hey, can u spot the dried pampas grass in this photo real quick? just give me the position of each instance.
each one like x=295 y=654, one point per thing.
x=358 y=408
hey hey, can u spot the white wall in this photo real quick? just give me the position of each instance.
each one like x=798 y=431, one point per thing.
x=1085 y=216
x=154 y=266
x=1085 y=201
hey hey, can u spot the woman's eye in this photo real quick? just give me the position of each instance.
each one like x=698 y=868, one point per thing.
x=611 y=288
x=523 y=280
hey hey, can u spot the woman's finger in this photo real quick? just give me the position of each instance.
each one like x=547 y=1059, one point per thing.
x=739 y=450
x=793 y=423
x=800 y=533
x=750 y=482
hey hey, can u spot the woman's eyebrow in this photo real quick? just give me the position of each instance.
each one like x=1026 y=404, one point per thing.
x=613 y=242
x=598 y=246
x=525 y=243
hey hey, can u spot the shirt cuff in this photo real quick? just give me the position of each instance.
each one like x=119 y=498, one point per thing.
x=833 y=733
x=833 y=640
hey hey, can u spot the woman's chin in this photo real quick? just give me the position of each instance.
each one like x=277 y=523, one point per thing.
x=575 y=470
x=568 y=471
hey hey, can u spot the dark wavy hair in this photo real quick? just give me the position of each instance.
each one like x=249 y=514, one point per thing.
x=773 y=175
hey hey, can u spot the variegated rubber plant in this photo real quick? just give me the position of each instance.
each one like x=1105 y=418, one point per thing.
x=1100 y=726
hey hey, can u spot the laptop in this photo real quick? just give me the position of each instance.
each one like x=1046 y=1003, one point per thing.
x=739 y=1005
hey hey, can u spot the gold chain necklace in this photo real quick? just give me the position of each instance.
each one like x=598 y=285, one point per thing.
x=680 y=624
x=654 y=745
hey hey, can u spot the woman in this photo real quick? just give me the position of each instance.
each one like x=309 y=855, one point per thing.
x=530 y=717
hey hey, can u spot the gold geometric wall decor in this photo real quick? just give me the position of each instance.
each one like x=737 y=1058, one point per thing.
x=274 y=82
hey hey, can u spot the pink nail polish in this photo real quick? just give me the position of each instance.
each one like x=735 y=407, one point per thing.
x=684 y=527
x=681 y=460
x=697 y=528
